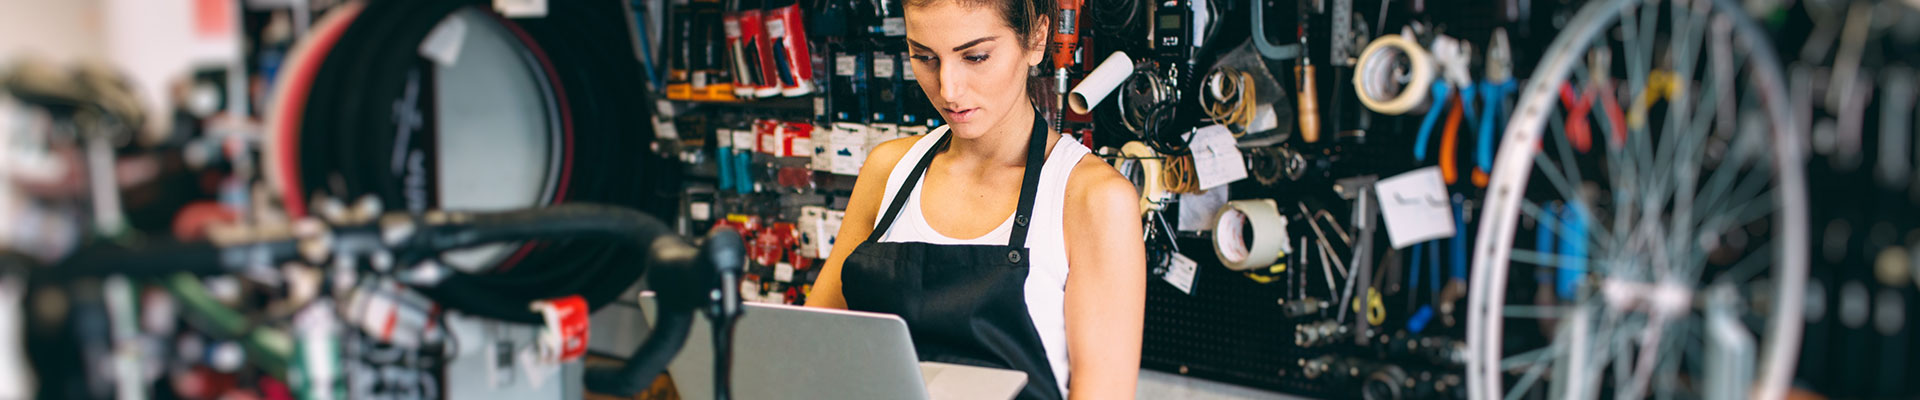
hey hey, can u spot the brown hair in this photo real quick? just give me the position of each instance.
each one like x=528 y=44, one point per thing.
x=1023 y=16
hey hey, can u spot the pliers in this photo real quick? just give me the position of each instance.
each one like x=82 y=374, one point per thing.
x=1452 y=56
x=1493 y=92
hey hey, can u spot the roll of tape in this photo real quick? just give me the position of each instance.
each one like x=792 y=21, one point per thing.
x=1269 y=234
x=1374 y=75
x=1154 y=194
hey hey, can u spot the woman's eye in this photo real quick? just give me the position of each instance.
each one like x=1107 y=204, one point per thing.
x=977 y=58
x=921 y=58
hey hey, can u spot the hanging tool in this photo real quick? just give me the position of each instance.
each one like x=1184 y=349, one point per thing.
x=1454 y=57
x=1309 y=96
x=1450 y=141
x=1493 y=92
x=1265 y=47
x=1456 y=287
x=1066 y=43
x=1440 y=92
x=1579 y=134
x=1573 y=247
x=1309 y=101
x=1661 y=84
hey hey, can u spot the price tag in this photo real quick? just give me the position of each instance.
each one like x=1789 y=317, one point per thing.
x=1216 y=157
x=846 y=64
x=907 y=72
x=723 y=138
x=1180 y=272
x=1415 y=207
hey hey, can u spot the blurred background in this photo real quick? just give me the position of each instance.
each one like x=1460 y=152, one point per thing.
x=1396 y=199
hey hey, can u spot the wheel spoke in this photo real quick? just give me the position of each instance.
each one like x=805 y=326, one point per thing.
x=1533 y=312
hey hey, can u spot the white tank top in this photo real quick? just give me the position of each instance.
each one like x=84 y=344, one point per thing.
x=1046 y=287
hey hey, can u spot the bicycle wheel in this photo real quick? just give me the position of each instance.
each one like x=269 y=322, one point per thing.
x=1665 y=205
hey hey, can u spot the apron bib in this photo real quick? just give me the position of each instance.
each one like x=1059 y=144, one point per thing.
x=963 y=304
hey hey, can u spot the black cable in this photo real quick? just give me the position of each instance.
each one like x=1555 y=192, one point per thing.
x=663 y=342
x=350 y=115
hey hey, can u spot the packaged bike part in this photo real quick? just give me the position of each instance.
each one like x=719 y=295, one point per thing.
x=788 y=34
x=1273 y=120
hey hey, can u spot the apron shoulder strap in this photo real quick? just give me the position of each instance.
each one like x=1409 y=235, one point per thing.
x=1030 y=182
x=906 y=189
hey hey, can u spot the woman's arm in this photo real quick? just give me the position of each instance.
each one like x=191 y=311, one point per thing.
x=1106 y=282
x=868 y=191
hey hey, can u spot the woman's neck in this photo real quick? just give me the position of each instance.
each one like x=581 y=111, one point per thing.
x=1004 y=145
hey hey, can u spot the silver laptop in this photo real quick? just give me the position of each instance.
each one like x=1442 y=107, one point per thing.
x=789 y=352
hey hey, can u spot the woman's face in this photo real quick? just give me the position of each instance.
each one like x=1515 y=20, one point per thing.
x=970 y=64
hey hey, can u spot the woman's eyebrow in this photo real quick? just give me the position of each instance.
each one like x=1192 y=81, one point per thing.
x=964 y=46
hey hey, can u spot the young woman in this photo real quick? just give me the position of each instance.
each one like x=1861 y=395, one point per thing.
x=1000 y=244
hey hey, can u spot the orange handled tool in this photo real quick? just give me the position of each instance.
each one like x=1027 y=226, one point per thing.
x=1309 y=104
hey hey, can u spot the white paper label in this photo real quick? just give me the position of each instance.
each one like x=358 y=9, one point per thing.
x=1415 y=206
x=895 y=26
x=783 y=272
x=1197 y=210
x=819 y=105
x=723 y=138
x=521 y=8
x=846 y=64
x=1216 y=158
x=907 y=72
x=822 y=153
x=830 y=230
x=776 y=28
x=700 y=211
x=770 y=144
x=1180 y=272
x=743 y=139
x=883 y=67
x=801 y=147
x=881 y=133
x=811 y=217
x=849 y=148
x=444 y=43
x=732 y=27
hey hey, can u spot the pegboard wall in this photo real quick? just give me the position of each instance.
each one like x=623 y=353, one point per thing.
x=1234 y=329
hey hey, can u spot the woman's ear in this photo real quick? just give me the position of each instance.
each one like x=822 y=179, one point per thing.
x=1040 y=38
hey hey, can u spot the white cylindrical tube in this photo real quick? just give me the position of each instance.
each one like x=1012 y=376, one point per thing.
x=1269 y=240
x=1101 y=82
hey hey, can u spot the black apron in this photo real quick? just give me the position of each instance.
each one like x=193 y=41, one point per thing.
x=964 y=304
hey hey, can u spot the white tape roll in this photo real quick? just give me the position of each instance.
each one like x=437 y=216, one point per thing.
x=1269 y=234
x=1155 y=194
x=1373 y=77
x=1100 y=82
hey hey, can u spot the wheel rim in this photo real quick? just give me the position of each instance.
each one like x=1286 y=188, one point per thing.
x=1522 y=150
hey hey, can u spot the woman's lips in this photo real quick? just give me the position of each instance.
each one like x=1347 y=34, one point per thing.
x=960 y=116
